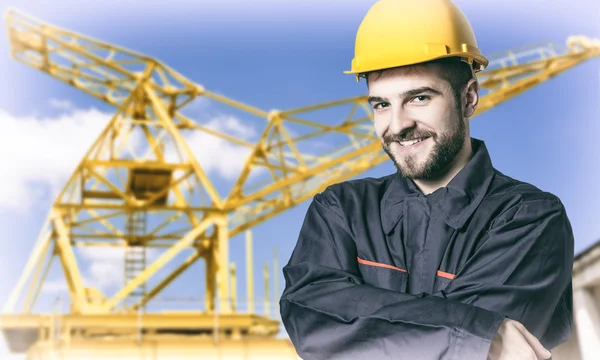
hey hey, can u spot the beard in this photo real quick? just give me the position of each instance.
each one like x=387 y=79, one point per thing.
x=445 y=149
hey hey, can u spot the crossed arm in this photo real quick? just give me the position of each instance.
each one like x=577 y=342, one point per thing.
x=330 y=312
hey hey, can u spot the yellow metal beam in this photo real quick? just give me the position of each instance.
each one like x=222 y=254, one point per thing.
x=249 y=273
x=36 y=282
x=118 y=205
x=161 y=113
x=37 y=253
x=233 y=287
x=168 y=279
x=108 y=323
x=221 y=254
x=69 y=263
x=537 y=72
x=237 y=104
x=226 y=137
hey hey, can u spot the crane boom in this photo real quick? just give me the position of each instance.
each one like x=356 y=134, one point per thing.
x=104 y=71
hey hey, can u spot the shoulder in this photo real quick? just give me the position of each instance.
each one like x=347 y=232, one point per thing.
x=528 y=215
x=507 y=196
x=355 y=191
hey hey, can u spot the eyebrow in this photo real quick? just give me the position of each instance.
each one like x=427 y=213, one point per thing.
x=412 y=92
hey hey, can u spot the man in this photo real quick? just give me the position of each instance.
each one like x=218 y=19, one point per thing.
x=447 y=258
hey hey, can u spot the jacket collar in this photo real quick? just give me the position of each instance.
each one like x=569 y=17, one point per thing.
x=454 y=203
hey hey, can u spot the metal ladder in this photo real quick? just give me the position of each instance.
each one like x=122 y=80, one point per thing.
x=135 y=254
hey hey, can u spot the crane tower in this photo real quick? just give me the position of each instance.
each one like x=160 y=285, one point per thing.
x=140 y=186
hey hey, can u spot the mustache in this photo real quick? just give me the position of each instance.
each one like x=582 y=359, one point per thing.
x=407 y=135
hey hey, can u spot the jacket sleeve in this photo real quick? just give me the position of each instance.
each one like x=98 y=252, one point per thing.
x=330 y=313
x=523 y=270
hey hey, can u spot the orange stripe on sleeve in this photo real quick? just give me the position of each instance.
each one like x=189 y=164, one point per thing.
x=372 y=263
x=445 y=275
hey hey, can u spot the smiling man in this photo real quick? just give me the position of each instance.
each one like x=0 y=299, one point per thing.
x=447 y=258
x=419 y=152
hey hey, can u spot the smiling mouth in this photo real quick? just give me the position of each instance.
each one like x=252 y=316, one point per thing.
x=412 y=142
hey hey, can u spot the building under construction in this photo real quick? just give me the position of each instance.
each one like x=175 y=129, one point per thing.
x=140 y=187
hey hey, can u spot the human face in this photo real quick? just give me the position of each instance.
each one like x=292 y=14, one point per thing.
x=418 y=120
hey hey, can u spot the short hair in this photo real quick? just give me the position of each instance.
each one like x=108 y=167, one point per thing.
x=456 y=72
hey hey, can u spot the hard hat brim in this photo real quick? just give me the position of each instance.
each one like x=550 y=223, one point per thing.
x=481 y=60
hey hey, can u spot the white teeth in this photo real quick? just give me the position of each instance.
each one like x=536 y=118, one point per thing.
x=411 y=142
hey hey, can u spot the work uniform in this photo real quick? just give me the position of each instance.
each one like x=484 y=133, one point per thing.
x=383 y=271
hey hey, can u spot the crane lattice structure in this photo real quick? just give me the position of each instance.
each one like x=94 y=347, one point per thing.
x=140 y=185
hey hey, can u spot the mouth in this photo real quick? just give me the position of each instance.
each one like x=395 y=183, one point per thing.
x=412 y=141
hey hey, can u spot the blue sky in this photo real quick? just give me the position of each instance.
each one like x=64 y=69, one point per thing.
x=275 y=56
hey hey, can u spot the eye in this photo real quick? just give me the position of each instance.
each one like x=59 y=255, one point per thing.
x=421 y=98
x=380 y=105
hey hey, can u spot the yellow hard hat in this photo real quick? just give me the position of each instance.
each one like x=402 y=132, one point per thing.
x=405 y=32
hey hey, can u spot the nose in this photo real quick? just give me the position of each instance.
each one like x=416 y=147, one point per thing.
x=400 y=122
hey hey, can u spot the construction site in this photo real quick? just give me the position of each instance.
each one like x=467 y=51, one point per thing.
x=140 y=188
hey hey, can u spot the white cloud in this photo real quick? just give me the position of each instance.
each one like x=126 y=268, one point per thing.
x=43 y=152
x=197 y=106
x=102 y=268
x=5 y=355
x=40 y=153
x=106 y=266
x=60 y=104
x=55 y=286
x=218 y=155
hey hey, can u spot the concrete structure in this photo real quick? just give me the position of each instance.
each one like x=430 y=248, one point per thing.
x=585 y=341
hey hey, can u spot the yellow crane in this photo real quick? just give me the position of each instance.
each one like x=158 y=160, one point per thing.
x=139 y=186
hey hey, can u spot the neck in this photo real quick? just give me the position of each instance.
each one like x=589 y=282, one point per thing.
x=430 y=185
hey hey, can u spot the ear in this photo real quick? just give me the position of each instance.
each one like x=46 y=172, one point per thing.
x=470 y=98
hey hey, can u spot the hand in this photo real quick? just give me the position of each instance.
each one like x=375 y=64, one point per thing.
x=513 y=341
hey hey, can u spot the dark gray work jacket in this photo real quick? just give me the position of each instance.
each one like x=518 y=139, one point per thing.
x=382 y=271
